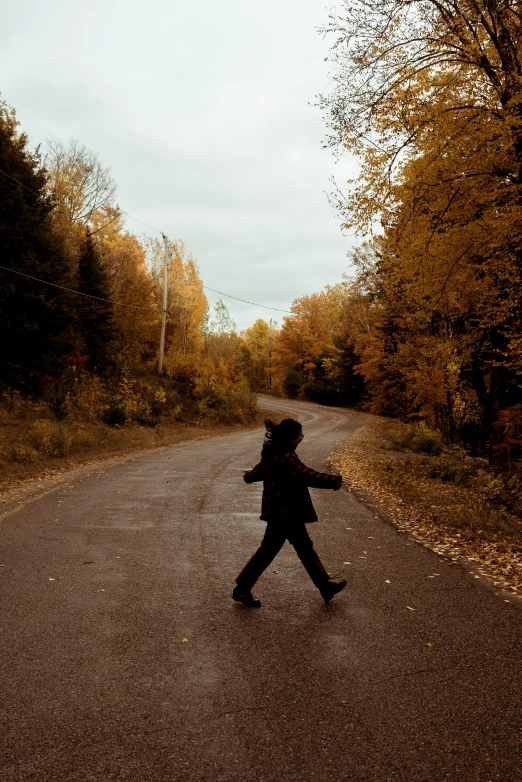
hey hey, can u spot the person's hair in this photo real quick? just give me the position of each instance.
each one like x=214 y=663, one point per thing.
x=280 y=436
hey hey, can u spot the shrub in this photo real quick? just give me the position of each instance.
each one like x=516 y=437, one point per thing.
x=145 y=415
x=59 y=402
x=420 y=438
x=11 y=400
x=226 y=402
x=115 y=414
x=503 y=490
x=453 y=466
x=82 y=438
x=51 y=437
x=24 y=453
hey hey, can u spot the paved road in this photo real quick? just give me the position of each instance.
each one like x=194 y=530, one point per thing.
x=124 y=658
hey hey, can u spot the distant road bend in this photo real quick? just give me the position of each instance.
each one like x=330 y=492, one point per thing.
x=124 y=657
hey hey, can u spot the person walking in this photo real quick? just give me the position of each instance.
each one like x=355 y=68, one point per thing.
x=286 y=507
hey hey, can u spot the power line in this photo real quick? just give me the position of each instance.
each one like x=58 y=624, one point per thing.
x=70 y=290
x=253 y=303
x=142 y=223
x=97 y=231
x=19 y=183
x=91 y=233
x=227 y=295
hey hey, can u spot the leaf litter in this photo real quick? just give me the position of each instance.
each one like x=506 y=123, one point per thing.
x=437 y=514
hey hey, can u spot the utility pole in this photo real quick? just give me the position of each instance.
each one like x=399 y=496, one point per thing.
x=270 y=355
x=164 y=310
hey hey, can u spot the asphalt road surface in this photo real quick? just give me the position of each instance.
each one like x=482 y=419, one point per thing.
x=124 y=657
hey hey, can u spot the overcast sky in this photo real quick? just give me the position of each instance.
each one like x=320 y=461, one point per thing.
x=202 y=112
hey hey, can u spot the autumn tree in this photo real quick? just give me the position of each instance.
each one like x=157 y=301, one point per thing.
x=82 y=189
x=313 y=352
x=402 y=67
x=137 y=315
x=187 y=303
x=427 y=93
x=306 y=338
x=258 y=342
x=223 y=345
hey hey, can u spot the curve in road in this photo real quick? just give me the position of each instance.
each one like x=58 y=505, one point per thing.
x=124 y=657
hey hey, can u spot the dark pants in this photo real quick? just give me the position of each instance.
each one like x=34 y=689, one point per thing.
x=272 y=543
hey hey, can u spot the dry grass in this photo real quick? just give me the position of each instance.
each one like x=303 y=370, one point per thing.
x=32 y=445
x=455 y=521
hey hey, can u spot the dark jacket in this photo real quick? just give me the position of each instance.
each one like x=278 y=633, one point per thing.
x=285 y=486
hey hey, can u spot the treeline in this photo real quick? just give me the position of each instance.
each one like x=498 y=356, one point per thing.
x=80 y=301
x=428 y=95
x=314 y=355
x=428 y=326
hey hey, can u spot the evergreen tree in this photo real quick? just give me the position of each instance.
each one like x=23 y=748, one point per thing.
x=351 y=383
x=36 y=319
x=293 y=382
x=95 y=317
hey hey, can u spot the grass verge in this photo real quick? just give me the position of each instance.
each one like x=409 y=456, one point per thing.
x=50 y=453
x=418 y=493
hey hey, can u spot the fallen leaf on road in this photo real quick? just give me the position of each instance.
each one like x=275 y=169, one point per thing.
x=183 y=640
x=430 y=645
x=410 y=608
x=101 y=590
x=362 y=557
x=387 y=581
x=52 y=579
x=347 y=563
x=205 y=555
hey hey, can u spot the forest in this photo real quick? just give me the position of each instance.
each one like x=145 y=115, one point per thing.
x=80 y=298
x=426 y=325
x=428 y=96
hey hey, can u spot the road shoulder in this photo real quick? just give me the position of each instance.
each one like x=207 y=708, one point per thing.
x=436 y=514
x=14 y=494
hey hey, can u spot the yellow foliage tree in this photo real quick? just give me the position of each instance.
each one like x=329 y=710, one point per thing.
x=428 y=94
x=258 y=342
x=306 y=340
x=187 y=303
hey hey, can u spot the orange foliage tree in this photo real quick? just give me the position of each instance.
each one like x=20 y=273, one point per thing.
x=314 y=353
x=428 y=95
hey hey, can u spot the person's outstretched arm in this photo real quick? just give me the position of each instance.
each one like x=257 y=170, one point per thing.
x=312 y=478
x=255 y=474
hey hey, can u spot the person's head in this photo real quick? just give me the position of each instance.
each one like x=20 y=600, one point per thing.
x=284 y=436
